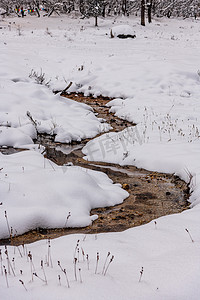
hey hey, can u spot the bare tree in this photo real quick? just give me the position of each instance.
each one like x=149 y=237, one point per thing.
x=93 y=8
x=96 y=8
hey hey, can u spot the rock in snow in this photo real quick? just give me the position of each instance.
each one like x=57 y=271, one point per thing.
x=122 y=32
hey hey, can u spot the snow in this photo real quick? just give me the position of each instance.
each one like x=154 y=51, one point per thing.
x=155 y=82
x=37 y=193
x=169 y=259
x=28 y=108
x=2 y=11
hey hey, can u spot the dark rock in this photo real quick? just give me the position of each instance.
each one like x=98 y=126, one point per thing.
x=126 y=36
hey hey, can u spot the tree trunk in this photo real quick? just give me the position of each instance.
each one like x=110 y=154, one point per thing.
x=143 y=12
x=104 y=11
x=149 y=11
x=37 y=8
x=50 y=12
x=38 y=12
x=124 y=7
x=96 y=23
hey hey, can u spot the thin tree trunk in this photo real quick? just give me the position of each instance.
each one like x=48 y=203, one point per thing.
x=37 y=8
x=143 y=12
x=50 y=12
x=124 y=7
x=149 y=11
x=104 y=11
x=38 y=12
x=96 y=23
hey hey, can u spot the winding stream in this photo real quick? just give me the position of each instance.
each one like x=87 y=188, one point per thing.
x=151 y=194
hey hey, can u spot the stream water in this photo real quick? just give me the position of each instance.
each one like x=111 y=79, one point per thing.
x=151 y=194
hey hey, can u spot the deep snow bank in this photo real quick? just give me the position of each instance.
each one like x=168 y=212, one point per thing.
x=27 y=108
x=37 y=193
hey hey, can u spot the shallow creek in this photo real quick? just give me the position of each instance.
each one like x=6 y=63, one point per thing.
x=151 y=194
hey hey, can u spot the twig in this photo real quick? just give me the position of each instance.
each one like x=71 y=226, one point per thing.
x=19 y=251
x=78 y=254
x=88 y=263
x=69 y=85
x=23 y=284
x=108 y=265
x=141 y=273
x=81 y=281
x=69 y=215
x=49 y=259
x=42 y=267
x=34 y=122
x=1 y=260
x=97 y=261
x=77 y=244
x=8 y=262
x=189 y=235
x=35 y=274
x=7 y=223
x=75 y=263
x=6 y=276
x=65 y=272
x=31 y=264
x=13 y=261
x=83 y=254
x=105 y=262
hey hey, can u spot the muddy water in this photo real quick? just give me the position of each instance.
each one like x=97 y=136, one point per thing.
x=151 y=194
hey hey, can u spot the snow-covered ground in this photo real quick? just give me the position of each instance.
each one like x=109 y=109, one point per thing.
x=36 y=193
x=155 y=80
